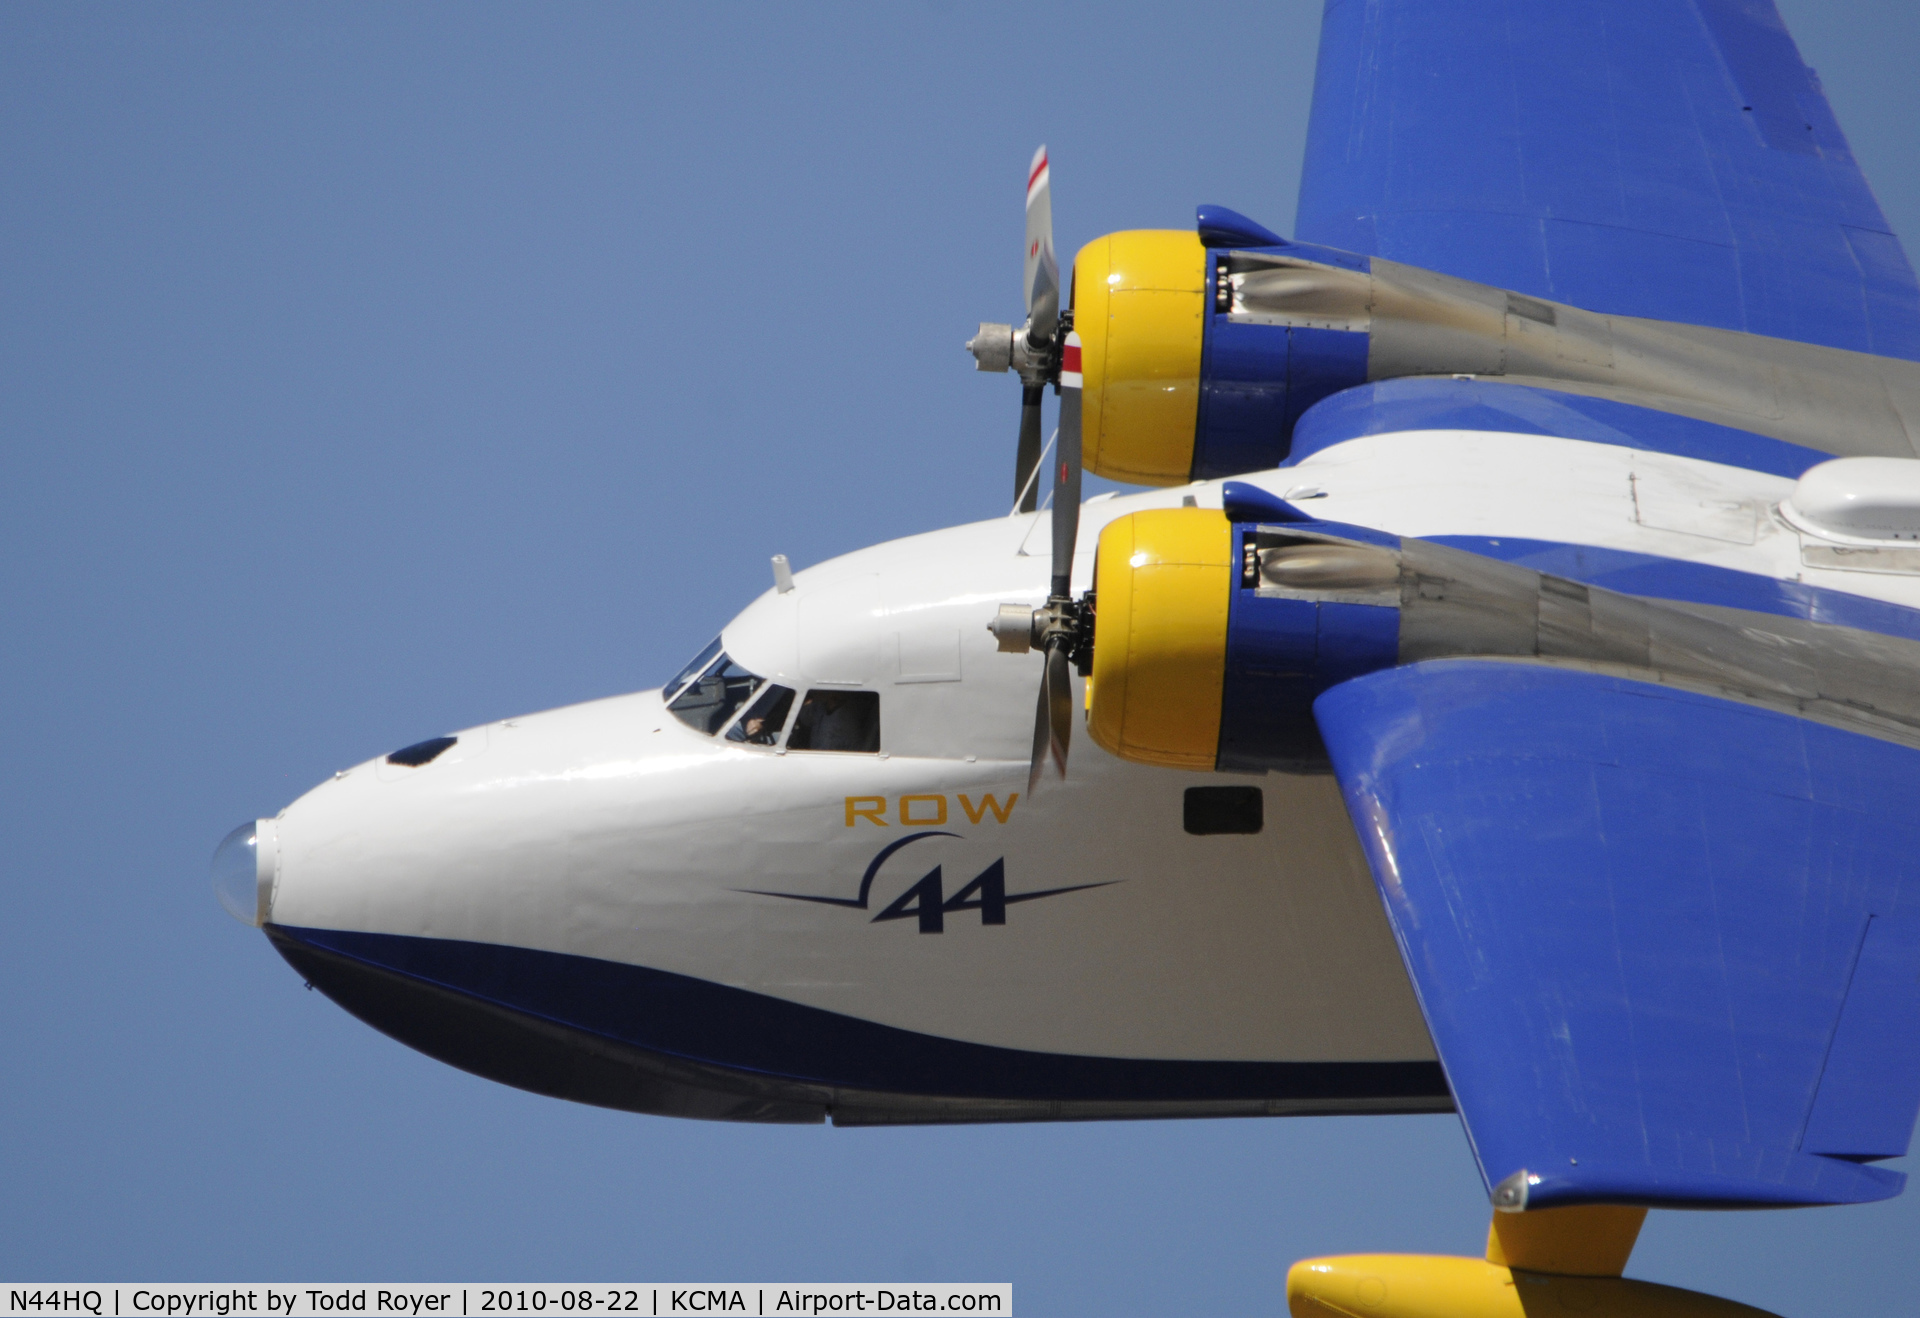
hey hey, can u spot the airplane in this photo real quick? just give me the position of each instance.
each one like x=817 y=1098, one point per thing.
x=1501 y=699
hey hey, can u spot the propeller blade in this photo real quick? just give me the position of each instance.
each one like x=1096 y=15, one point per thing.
x=1059 y=697
x=1053 y=718
x=1042 y=736
x=1066 y=471
x=1041 y=279
x=1026 y=484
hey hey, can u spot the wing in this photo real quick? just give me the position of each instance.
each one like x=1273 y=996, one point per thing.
x=1668 y=944
x=1671 y=159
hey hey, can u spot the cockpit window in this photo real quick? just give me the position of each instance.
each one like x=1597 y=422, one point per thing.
x=692 y=670
x=765 y=718
x=837 y=721
x=709 y=700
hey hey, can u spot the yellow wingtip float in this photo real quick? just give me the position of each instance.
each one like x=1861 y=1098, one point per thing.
x=1140 y=310
x=1547 y=1262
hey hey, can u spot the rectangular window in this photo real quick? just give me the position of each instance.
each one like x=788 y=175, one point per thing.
x=837 y=721
x=1224 y=810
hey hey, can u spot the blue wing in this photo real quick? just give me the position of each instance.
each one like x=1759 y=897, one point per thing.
x=1672 y=159
x=1668 y=945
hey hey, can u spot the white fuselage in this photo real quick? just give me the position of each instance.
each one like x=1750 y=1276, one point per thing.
x=613 y=832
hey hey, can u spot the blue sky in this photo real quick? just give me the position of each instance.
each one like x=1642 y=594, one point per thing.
x=368 y=371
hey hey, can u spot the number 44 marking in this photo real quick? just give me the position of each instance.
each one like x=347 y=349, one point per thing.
x=987 y=894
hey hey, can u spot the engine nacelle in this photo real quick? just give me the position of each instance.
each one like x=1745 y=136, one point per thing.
x=1197 y=361
x=1202 y=351
x=1212 y=638
x=1215 y=632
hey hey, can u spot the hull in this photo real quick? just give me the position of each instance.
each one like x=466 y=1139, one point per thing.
x=603 y=904
x=625 y=1037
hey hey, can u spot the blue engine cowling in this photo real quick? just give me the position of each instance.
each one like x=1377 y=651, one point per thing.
x=1263 y=366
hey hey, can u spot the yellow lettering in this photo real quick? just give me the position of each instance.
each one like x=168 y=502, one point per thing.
x=975 y=813
x=939 y=809
x=873 y=809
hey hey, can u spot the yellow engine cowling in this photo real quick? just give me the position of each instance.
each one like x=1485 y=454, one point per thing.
x=1140 y=305
x=1163 y=582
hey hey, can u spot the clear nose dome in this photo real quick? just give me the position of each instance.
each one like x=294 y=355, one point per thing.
x=237 y=877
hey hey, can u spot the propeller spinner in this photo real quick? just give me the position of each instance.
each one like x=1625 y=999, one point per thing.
x=1045 y=351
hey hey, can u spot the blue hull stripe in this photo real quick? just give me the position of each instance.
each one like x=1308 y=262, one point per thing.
x=698 y=1021
x=1696 y=583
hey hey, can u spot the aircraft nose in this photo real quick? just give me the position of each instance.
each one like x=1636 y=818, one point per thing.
x=243 y=871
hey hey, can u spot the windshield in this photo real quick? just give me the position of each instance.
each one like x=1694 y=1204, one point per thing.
x=709 y=700
x=762 y=724
x=692 y=670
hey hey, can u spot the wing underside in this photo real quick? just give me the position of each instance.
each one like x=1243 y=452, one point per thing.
x=1668 y=944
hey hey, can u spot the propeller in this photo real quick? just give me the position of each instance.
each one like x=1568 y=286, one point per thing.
x=1045 y=351
x=1032 y=351
x=1063 y=627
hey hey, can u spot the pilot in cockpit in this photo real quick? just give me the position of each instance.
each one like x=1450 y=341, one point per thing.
x=711 y=691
